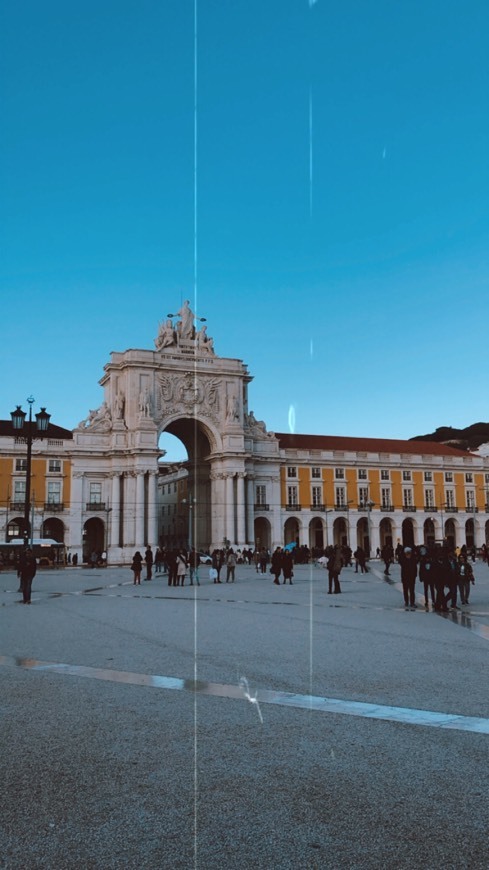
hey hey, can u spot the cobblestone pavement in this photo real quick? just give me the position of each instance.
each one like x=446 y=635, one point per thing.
x=242 y=725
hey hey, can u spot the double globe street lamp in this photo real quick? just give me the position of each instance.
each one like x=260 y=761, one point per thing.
x=29 y=431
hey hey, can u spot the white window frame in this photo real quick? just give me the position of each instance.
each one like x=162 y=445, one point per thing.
x=292 y=472
x=363 y=495
x=316 y=495
x=469 y=477
x=429 y=497
x=407 y=497
x=95 y=490
x=54 y=470
x=406 y=476
x=316 y=472
x=260 y=494
x=339 y=474
x=362 y=474
x=470 y=498
x=19 y=490
x=385 y=474
x=340 y=496
x=449 y=498
x=448 y=476
x=292 y=495
x=20 y=464
x=428 y=477
x=385 y=497
x=53 y=492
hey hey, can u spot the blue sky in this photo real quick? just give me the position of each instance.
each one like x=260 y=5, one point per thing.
x=353 y=284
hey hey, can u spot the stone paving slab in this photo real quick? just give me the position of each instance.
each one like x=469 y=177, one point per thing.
x=108 y=774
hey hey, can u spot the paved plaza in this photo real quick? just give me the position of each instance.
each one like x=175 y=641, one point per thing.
x=242 y=725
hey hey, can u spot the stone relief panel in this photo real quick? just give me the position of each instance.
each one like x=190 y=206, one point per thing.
x=188 y=393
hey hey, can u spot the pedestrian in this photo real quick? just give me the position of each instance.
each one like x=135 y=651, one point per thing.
x=230 y=566
x=276 y=565
x=287 y=566
x=409 y=572
x=263 y=560
x=93 y=559
x=334 y=566
x=181 y=568
x=148 y=558
x=387 y=554
x=28 y=568
x=158 y=560
x=217 y=562
x=426 y=576
x=465 y=578
x=136 y=567
x=194 y=562
x=360 y=557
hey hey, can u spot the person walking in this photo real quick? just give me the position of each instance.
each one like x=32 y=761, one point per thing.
x=158 y=560
x=136 y=567
x=465 y=578
x=148 y=558
x=217 y=560
x=28 y=568
x=287 y=566
x=387 y=554
x=230 y=566
x=409 y=572
x=426 y=576
x=276 y=565
x=334 y=566
x=360 y=557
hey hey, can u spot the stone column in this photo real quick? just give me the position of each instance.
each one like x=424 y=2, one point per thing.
x=139 y=510
x=217 y=508
x=250 y=509
x=240 y=507
x=75 y=540
x=129 y=483
x=152 y=510
x=230 y=532
x=276 y=509
x=115 y=514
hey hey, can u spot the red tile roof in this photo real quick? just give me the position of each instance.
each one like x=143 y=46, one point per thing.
x=365 y=445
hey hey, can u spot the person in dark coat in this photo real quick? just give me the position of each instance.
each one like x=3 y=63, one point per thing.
x=409 y=572
x=287 y=566
x=276 y=565
x=334 y=566
x=426 y=575
x=137 y=561
x=28 y=568
x=148 y=558
x=387 y=554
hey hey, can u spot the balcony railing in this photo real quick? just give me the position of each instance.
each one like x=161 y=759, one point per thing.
x=54 y=507
x=451 y=510
x=293 y=507
x=262 y=507
x=472 y=509
x=486 y=508
x=341 y=507
x=387 y=507
x=317 y=507
x=95 y=505
x=17 y=506
x=408 y=508
x=429 y=509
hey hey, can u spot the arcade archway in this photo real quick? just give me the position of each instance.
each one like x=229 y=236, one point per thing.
x=385 y=532
x=340 y=532
x=316 y=534
x=291 y=531
x=429 y=532
x=408 y=533
x=450 y=534
x=363 y=539
x=263 y=533
x=53 y=528
x=93 y=537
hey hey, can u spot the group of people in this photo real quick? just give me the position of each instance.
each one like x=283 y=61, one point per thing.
x=179 y=563
x=444 y=575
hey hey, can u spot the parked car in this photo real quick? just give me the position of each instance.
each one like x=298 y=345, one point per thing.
x=205 y=559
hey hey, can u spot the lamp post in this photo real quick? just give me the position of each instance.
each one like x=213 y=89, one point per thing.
x=369 y=505
x=29 y=432
x=191 y=502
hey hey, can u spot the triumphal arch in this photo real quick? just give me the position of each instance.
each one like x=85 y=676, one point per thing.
x=183 y=387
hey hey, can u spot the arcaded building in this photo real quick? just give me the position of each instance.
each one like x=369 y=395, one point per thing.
x=110 y=488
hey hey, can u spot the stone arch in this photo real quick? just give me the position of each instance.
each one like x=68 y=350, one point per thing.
x=201 y=441
x=340 y=532
x=363 y=538
x=316 y=534
x=408 y=532
x=386 y=532
x=292 y=527
x=15 y=528
x=53 y=528
x=429 y=532
x=450 y=533
x=93 y=537
x=263 y=533
x=470 y=532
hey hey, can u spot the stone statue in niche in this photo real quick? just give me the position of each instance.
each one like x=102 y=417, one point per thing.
x=100 y=419
x=232 y=408
x=145 y=402
x=119 y=405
